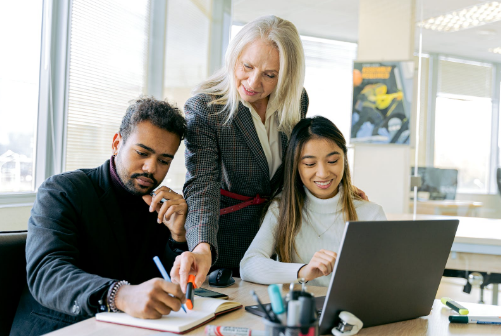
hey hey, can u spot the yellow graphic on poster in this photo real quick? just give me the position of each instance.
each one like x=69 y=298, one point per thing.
x=382 y=94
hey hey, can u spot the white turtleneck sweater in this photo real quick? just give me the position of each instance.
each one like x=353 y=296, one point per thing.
x=321 y=217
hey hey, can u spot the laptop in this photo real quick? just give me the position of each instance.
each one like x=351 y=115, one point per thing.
x=386 y=271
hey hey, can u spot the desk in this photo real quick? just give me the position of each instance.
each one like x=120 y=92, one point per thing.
x=448 y=208
x=436 y=323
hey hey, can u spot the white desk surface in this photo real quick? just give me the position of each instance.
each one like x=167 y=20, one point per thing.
x=471 y=231
x=435 y=324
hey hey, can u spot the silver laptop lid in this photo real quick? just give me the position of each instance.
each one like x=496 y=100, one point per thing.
x=388 y=271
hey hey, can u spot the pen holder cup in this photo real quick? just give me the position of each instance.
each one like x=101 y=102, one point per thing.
x=277 y=329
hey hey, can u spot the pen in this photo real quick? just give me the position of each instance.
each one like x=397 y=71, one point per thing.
x=212 y=330
x=277 y=303
x=293 y=313
x=307 y=310
x=254 y=295
x=475 y=319
x=162 y=200
x=165 y=275
x=454 y=306
x=190 y=292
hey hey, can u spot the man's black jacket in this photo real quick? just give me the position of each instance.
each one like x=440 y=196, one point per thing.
x=77 y=247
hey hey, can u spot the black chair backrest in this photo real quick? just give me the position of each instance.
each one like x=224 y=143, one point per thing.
x=13 y=278
x=499 y=179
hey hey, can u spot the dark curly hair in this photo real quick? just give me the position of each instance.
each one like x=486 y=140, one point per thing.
x=159 y=112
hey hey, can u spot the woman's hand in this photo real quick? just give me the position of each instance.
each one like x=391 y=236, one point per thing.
x=172 y=213
x=361 y=193
x=197 y=263
x=321 y=264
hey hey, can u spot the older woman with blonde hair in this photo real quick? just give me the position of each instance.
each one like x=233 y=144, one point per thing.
x=239 y=122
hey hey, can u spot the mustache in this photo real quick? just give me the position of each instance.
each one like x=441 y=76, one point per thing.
x=150 y=176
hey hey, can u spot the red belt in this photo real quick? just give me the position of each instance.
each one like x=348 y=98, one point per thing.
x=246 y=202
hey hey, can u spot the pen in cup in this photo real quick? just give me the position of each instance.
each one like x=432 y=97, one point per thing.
x=277 y=303
x=293 y=313
x=254 y=295
x=164 y=273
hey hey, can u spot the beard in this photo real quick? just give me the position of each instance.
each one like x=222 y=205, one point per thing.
x=128 y=181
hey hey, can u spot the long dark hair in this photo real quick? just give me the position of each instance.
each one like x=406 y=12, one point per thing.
x=293 y=195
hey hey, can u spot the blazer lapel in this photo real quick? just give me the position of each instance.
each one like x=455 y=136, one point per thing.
x=276 y=177
x=243 y=120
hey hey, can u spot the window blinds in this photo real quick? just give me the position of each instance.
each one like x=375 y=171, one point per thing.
x=108 y=61
x=465 y=79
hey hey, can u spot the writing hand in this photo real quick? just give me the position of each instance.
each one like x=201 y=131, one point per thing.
x=151 y=299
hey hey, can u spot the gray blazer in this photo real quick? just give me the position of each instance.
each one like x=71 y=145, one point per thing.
x=228 y=157
x=77 y=247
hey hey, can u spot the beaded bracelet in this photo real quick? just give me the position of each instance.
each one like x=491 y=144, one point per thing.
x=112 y=294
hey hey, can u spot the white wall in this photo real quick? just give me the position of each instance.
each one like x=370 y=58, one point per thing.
x=382 y=172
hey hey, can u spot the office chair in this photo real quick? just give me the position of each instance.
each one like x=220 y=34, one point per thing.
x=13 y=279
x=498 y=179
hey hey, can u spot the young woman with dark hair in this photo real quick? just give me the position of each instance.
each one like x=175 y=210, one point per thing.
x=304 y=224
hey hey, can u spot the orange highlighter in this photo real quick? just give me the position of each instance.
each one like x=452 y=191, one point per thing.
x=190 y=292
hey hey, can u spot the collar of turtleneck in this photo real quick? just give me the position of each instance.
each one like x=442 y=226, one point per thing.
x=325 y=206
x=119 y=187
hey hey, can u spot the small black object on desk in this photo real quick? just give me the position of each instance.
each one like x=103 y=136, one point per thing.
x=221 y=278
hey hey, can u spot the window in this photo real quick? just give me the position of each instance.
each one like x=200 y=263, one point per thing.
x=463 y=117
x=108 y=60
x=20 y=32
x=463 y=139
x=186 y=64
x=329 y=67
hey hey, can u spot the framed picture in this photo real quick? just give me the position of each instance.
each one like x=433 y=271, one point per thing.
x=382 y=93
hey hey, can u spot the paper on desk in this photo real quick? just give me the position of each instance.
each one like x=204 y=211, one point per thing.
x=476 y=309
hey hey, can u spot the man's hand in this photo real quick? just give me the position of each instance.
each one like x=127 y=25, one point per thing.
x=197 y=262
x=151 y=299
x=321 y=264
x=171 y=213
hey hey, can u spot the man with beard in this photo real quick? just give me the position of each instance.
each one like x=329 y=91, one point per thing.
x=93 y=233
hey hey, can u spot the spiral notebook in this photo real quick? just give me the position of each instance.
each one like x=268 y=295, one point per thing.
x=205 y=310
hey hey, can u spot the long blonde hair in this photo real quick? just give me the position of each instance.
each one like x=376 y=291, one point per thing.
x=283 y=35
x=293 y=196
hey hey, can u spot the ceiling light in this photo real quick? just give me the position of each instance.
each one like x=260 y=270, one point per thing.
x=465 y=18
x=495 y=50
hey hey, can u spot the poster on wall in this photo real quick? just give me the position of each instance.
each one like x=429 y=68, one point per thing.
x=382 y=93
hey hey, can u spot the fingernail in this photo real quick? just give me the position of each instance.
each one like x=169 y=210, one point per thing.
x=151 y=208
x=159 y=221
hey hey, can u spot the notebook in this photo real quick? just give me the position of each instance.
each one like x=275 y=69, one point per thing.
x=205 y=310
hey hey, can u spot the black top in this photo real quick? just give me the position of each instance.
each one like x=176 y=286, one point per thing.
x=82 y=237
